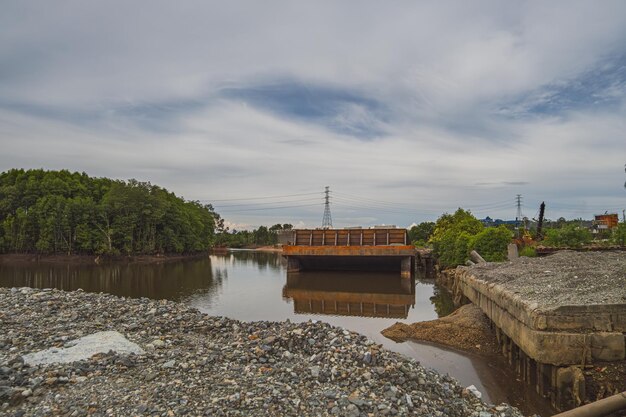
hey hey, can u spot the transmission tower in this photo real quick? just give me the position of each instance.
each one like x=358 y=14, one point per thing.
x=518 y=216
x=327 y=220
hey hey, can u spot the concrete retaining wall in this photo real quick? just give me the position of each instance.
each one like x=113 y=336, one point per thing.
x=563 y=336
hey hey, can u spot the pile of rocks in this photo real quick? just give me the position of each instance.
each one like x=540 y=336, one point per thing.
x=195 y=364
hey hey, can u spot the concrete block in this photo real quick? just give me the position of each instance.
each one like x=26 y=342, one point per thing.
x=608 y=346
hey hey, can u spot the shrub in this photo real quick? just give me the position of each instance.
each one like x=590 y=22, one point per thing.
x=451 y=237
x=420 y=233
x=492 y=243
x=618 y=235
x=528 y=251
x=571 y=236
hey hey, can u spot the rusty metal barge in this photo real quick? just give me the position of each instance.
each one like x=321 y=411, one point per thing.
x=374 y=249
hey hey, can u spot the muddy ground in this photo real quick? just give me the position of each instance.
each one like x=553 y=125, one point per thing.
x=466 y=329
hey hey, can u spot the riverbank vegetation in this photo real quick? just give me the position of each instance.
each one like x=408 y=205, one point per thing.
x=420 y=233
x=571 y=235
x=456 y=235
x=263 y=236
x=62 y=212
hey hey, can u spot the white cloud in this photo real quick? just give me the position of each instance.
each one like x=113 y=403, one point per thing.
x=133 y=90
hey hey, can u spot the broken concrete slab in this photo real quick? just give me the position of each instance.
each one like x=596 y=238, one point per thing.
x=565 y=309
x=84 y=348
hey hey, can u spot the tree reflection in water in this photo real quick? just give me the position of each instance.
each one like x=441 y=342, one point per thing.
x=172 y=280
x=442 y=301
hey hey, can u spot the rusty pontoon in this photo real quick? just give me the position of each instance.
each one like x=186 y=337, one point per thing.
x=374 y=249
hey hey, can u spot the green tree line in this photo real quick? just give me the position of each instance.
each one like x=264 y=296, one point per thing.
x=53 y=212
x=454 y=236
x=262 y=236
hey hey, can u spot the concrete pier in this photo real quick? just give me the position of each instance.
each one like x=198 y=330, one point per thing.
x=553 y=316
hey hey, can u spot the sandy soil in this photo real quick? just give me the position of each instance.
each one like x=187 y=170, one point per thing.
x=267 y=248
x=466 y=329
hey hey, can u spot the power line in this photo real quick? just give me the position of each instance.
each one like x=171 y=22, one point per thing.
x=263 y=198
x=270 y=208
x=220 y=206
x=381 y=203
x=349 y=201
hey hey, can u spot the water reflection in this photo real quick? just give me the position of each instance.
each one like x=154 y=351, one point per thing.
x=167 y=280
x=442 y=301
x=248 y=285
x=350 y=294
x=259 y=260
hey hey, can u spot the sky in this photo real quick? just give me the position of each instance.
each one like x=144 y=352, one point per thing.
x=404 y=109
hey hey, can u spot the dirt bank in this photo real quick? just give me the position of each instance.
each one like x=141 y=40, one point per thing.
x=268 y=248
x=466 y=329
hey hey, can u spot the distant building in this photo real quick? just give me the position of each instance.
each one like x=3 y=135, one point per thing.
x=605 y=222
x=489 y=222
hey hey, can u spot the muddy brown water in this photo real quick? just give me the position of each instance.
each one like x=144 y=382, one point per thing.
x=248 y=285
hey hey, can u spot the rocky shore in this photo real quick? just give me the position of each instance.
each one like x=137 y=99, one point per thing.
x=194 y=364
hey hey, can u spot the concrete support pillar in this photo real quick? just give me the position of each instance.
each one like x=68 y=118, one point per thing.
x=407 y=285
x=532 y=372
x=569 y=387
x=405 y=267
x=544 y=380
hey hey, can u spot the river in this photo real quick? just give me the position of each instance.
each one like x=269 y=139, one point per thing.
x=249 y=285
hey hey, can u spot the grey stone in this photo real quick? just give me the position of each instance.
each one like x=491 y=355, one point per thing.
x=169 y=364
x=84 y=348
x=352 y=410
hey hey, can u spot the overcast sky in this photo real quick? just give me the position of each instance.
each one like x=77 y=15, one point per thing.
x=405 y=109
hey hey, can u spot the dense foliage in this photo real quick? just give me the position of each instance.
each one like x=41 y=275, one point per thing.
x=571 y=236
x=491 y=243
x=456 y=235
x=64 y=212
x=419 y=234
x=257 y=237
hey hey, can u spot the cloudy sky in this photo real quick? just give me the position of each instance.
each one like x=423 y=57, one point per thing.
x=405 y=109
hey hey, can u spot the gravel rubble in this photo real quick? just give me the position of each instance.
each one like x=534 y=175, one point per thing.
x=563 y=278
x=200 y=365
